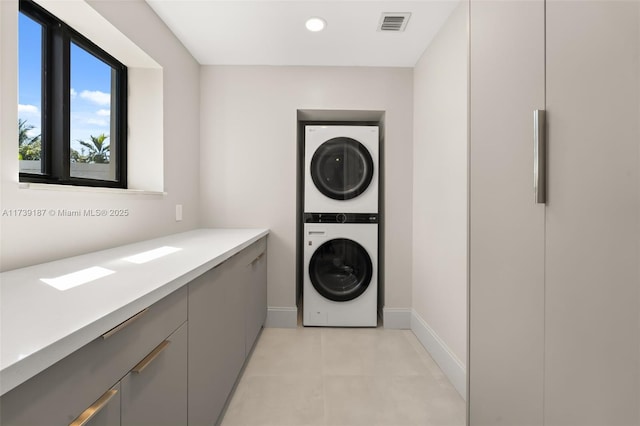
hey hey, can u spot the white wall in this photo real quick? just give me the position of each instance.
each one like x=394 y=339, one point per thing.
x=31 y=240
x=440 y=197
x=248 y=157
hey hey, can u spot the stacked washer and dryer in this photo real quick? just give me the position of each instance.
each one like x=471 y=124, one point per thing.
x=340 y=240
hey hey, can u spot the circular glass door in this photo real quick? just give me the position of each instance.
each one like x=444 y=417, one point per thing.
x=340 y=270
x=342 y=168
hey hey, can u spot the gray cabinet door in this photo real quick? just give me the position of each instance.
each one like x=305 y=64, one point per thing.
x=216 y=338
x=256 y=299
x=157 y=394
x=592 y=359
x=506 y=226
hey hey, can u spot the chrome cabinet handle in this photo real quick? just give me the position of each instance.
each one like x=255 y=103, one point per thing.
x=539 y=156
x=94 y=409
x=123 y=324
x=149 y=358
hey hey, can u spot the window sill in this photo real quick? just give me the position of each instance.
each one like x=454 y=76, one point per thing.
x=72 y=188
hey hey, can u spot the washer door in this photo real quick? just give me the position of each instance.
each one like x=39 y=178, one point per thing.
x=340 y=270
x=341 y=168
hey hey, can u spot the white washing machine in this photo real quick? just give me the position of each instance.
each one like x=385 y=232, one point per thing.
x=341 y=169
x=340 y=286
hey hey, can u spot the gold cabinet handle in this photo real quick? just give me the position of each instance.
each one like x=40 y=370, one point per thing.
x=123 y=324
x=256 y=259
x=149 y=358
x=94 y=409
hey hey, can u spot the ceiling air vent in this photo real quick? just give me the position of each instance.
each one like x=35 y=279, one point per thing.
x=393 y=21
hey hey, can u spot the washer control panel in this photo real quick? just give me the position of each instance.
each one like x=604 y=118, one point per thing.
x=341 y=218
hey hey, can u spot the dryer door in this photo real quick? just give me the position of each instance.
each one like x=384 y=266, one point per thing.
x=340 y=270
x=342 y=168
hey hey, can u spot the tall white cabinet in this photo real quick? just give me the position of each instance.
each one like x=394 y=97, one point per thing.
x=506 y=228
x=591 y=251
x=554 y=289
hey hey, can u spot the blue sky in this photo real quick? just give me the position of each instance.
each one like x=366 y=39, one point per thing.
x=90 y=86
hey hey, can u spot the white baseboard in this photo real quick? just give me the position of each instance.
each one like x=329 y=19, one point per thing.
x=282 y=317
x=396 y=318
x=441 y=354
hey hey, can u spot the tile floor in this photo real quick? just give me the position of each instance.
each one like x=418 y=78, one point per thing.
x=342 y=377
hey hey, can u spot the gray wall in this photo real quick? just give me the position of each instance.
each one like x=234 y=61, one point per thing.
x=440 y=188
x=248 y=157
x=27 y=241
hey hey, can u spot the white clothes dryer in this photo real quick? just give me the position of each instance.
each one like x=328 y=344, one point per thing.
x=341 y=169
x=340 y=284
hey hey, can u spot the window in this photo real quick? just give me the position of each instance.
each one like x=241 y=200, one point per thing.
x=72 y=105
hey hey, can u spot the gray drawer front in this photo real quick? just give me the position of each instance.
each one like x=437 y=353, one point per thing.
x=250 y=254
x=157 y=396
x=59 y=394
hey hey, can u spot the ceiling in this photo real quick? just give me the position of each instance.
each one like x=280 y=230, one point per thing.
x=270 y=32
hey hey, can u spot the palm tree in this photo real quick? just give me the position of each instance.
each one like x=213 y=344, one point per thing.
x=29 y=148
x=23 y=128
x=98 y=148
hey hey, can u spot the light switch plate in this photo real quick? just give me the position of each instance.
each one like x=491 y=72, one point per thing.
x=178 y=212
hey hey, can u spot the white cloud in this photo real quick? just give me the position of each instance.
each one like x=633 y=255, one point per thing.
x=33 y=132
x=97 y=122
x=103 y=112
x=73 y=92
x=96 y=96
x=28 y=109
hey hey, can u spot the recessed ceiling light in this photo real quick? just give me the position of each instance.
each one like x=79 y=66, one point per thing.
x=315 y=24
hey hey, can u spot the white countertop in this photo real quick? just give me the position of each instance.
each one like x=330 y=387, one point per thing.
x=40 y=325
